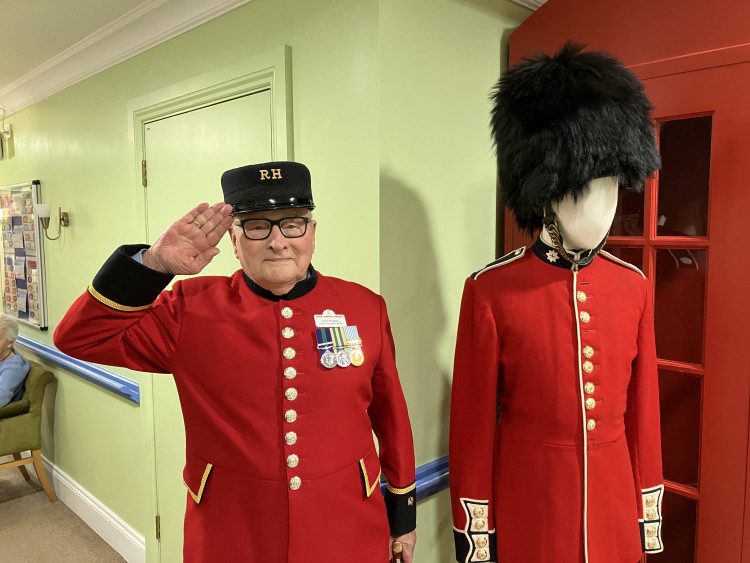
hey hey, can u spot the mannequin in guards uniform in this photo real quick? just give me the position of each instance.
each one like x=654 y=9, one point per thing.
x=560 y=335
x=283 y=374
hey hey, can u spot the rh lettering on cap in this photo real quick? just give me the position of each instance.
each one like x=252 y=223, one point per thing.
x=275 y=174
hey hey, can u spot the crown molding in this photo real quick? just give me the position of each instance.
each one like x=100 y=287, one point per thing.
x=532 y=5
x=151 y=23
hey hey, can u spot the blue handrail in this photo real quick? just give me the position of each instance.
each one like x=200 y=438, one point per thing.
x=109 y=380
x=432 y=477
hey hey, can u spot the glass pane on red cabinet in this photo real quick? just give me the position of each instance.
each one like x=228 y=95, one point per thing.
x=678 y=530
x=685 y=147
x=629 y=215
x=632 y=255
x=680 y=286
x=680 y=405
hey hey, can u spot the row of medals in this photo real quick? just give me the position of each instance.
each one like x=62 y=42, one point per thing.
x=344 y=357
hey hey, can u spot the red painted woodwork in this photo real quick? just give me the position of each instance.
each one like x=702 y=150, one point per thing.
x=638 y=31
x=695 y=63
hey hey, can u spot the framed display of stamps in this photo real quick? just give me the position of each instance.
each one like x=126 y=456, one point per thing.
x=22 y=272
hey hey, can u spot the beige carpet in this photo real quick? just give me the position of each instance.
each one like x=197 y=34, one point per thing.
x=35 y=530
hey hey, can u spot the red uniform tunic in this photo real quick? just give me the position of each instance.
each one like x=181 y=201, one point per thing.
x=568 y=468
x=280 y=461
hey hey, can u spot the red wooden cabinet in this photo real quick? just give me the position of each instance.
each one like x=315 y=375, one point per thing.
x=689 y=232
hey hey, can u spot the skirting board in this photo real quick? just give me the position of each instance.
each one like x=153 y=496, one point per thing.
x=121 y=537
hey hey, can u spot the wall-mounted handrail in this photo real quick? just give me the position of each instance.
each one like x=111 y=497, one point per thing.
x=109 y=380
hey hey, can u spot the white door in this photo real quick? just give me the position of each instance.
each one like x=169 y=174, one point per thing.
x=186 y=155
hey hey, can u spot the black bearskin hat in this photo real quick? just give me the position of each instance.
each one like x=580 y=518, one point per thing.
x=559 y=122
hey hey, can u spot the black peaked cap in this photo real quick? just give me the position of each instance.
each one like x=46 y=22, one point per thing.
x=267 y=186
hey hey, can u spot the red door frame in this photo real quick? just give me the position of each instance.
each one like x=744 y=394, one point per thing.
x=723 y=493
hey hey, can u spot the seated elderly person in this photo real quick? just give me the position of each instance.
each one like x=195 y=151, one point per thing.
x=13 y=366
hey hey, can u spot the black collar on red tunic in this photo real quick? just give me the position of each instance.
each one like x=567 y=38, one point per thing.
x=301 y=288
x=549 y=255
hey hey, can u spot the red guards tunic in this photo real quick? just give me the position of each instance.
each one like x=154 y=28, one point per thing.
x=569 y=468
x=280 y=461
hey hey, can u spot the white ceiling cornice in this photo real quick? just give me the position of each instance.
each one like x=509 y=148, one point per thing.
x=146 y=26
x=530 y=4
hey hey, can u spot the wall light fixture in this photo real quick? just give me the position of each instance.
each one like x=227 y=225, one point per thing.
x=43 y=210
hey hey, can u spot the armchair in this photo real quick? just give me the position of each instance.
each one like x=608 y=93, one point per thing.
x=20 y=427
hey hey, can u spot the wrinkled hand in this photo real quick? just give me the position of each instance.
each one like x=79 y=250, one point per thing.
x=408 y=541
x=189 y=244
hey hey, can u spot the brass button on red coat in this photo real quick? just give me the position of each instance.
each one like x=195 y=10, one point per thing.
x=590 y=404
x=290 y=394
x=290 y=438
x=588 y=351
x=585 y=317
x=289 y=353
x=290 y=416
x=288 y=332
x=287 y=313
x=292 y=460
x=589 y=388
x=588 y=367
x=581 y=296
x=295 y=483
x=591 y=424
x=290 y=372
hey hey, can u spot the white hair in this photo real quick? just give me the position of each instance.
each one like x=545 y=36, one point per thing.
x=10 y=325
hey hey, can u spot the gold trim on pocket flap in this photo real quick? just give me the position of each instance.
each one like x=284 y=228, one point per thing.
x=199 y=495
x=369 y=487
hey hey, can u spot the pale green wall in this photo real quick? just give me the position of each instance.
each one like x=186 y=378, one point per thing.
x=389 y=112
x=438 y=61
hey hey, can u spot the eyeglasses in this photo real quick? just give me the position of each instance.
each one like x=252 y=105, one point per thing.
x=260 y=229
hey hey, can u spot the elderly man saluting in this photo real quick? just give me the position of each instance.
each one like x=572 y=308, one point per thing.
x=282 y=373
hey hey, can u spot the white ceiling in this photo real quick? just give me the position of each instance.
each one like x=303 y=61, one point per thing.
x=36 y=31
x=47 y=45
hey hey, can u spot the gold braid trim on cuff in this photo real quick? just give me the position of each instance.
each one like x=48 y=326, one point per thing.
x=109 y=303
x=401 y=491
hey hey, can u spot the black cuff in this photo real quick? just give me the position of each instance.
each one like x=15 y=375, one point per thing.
x=651 y=537
x=127 y=285
x=470 y=547
x=650 y=526
x=401 y=506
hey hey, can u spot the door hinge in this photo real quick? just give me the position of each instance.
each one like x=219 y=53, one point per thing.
x=158 y=527
x=144 y=180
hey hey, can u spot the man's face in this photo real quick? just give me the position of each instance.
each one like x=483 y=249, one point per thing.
x=276 y=263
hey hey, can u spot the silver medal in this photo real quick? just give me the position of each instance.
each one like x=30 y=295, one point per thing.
x=343 y=359
x=328 y=359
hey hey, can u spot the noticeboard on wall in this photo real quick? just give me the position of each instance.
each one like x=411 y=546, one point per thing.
x=24 y=292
